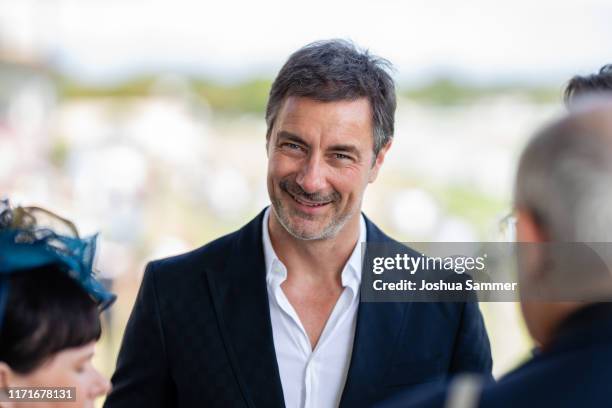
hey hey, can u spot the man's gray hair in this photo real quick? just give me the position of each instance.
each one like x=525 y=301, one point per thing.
x=565 y=175
x=336 y=70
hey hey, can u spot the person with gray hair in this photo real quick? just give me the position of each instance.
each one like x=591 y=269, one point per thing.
x=564 y=175
x=563 y=200
x=270 y=315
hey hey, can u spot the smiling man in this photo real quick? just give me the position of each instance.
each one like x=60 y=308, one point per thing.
x=269 y=316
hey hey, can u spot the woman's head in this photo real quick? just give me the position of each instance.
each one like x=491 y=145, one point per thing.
x=49 y=313
x=49 y=329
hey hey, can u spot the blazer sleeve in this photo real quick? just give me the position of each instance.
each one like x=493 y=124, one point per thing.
x=142 y=377
x=472 y=351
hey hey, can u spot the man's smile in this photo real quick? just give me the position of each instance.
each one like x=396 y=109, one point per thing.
x=306 y=206
x=309 y=203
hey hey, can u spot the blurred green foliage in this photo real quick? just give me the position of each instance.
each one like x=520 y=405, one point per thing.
x=244 y=97
x=472 y=205
x=251 y=96
x=448 y=92
x=135 y=87
x=60 y=150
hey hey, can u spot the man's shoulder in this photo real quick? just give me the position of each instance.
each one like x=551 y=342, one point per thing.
x=545 y=375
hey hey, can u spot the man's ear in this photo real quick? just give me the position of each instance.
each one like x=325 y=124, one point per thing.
x=378 y=161
x=269 y=140
x=527 y=228
x=533 y=256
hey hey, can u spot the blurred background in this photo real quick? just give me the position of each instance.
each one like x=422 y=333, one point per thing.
x=144 y=119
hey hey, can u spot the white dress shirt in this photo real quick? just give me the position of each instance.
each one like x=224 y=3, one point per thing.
x=313 y=378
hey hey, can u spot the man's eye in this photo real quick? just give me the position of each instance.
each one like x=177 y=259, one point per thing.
x=292 y=146
x=341 y=156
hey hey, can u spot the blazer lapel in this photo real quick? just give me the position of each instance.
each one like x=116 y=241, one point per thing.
x=376 y=334
x=241 y=300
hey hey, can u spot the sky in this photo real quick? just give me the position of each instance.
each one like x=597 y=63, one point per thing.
x=481 y=40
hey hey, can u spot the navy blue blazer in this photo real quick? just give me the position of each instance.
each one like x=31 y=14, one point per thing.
x=574 y=371
x=200 y=335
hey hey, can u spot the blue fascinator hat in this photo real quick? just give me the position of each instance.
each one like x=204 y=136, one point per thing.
x=32 y=237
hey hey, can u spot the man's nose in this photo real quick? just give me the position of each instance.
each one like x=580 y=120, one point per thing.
x=312 y=175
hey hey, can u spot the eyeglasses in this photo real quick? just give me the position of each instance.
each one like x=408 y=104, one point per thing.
x=507 y=228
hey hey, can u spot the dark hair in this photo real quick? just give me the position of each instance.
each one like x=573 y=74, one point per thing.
x=46 y=312
x=581 y=85
x=335 y=70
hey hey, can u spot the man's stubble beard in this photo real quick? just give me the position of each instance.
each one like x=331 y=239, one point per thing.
x=329 y=231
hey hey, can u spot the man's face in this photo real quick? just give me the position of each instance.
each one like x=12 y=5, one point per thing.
x=320 y=160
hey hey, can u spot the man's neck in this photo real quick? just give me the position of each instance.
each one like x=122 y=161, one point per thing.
x=322 y=259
